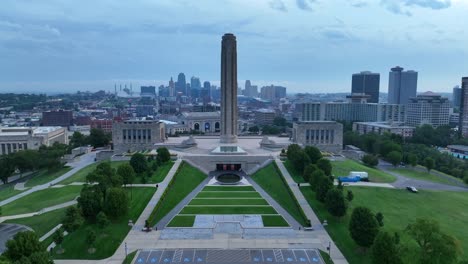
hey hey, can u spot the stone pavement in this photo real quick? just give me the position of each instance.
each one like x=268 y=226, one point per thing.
x=336 y=254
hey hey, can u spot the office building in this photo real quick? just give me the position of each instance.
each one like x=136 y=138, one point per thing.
x=402 y=85
x=144 y=110
x=264 y=117
x=456 y=96
x=463 y=124
x=171 y=86
x=325 y=135
x=181 y=85
x=148 y=91
x=104 y=124
x=250 y=90
x=205 y=93
x=381 y=128
x=137 y=135
x=62 y=118
x=195 y=83
x=13 y=139
x=367 y=83
x=428 y=109
x=273 y=93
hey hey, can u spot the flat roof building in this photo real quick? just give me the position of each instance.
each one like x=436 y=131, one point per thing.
x=428 y=109
x=137 y=135
x=383 y=127
x=325 y=135
x=13 y=139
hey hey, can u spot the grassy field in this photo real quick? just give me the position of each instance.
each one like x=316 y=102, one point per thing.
x=229 y=188
x=187 y=178
x=182 y=221
x=41 y=199
x=109 y=238
x=274 y=221
x=295 y=174
x=228 y=210
x=270 y=180
x=8 y=192
x=41 y=224
x=129 y=258
x=342 y=168
x=45 y=176
x=424 y=175
x=228 y=202
x=229 y=194
x=399 y=208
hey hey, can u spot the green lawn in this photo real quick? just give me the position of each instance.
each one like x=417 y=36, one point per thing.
x=187 y=178
x=41 y=224
x=326 y=257
x=342 y=168
x=41 y=199
x=270 y=180
x=229 y=195
x=80 y=176
x=182 y=221
x=423 y=175
x=399 y=208
x=229 y=188
x=228 y=210
x=129 y=258
x=159 y=175
x=109 y=238
x=8 y=192
x=228 y=202
x=295 y=174
x=274 y=221
x=45 y=176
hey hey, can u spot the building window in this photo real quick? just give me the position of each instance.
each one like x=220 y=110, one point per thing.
x=149 y=134
x=3 y=149
x=124 y=133
x=25 y=145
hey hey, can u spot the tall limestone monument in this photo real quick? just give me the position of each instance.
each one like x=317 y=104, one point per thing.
x=228 y=89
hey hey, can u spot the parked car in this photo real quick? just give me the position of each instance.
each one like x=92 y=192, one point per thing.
x=412 y=189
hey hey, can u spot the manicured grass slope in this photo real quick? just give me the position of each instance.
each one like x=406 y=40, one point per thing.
x=295 y=174
x=230 y=194
x=230 y=201
x=187 y=178
x=41 y=199
x=274 y=221
x=45 y=176
x=342 y=168
x=109 y=238
x=41 y=224
x=8 y=192
x=233 y=188
x=422 y=175
x=399 y=208
x=182 y=221
x=270 y=180
x=228 y=210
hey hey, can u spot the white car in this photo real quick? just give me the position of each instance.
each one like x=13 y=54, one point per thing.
x=412 y=189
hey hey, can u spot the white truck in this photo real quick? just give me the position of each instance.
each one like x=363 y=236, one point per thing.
x=361 y=174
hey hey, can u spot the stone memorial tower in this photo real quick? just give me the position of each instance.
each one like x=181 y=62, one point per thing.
x=228 y=89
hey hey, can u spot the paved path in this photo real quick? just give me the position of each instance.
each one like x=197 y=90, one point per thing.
x=84 y=161
x=336 y=254
x=42 y=211
x=364 y=184
x=48 y=234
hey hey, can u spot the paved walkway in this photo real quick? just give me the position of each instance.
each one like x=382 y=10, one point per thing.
x=336 y=254
x=84 y=161
x=42 y=211
x=364 y=184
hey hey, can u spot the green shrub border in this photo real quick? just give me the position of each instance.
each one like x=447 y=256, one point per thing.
x=292 y=195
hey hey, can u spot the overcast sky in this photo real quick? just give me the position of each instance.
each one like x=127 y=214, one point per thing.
x=306 y=45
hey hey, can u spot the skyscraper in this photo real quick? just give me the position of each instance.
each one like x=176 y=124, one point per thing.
x=250 y=90
x=228 y=89
x=463 y=124
x=172 y=91
x=367 y=83
x=181 y=85
x=195 y=83
x=402 y=85
x=456 y=99
x=206 y=92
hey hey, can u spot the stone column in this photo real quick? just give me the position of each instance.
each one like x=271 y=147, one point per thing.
x=228 y=89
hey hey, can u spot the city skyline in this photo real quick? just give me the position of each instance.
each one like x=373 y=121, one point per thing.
x=60 y=47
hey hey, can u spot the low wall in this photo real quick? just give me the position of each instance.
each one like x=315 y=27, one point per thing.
x=249 y=163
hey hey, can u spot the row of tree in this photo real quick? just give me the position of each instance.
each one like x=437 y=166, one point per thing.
x=97 y=138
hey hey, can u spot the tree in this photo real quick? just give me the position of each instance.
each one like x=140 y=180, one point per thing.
x=163 y=155
x=363 y=227
x=126 y=172
x=72 y=220
x=292 y=150
x=394 y=157
x=58 y=239
x=465 y=179
x=254 y=129
x=435 y=246
x=309 y=169
x=429 y=163
x=98 y=138
x=323 y=186
x=78 y=140
x=349 y=196
x=105 y=175
x=335 y=202
x=313 y=153
x=138 y=162
x=370 y=160
x=26 y=160
x=116 y=202
x=379 y=217
x=102 y=220
x=300 y=160
x=91 y=238
x=7 y=167
x=412 y=160
x=24 y=244
x=280 y=121
x=325 y=165
x=315 y=178
x=385 y=250
x=90 y=202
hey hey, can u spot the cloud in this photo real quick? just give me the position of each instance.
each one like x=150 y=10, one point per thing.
x=359 y=4
x=398 y=6
x=304 y=4
x=337 y=35
x=278 y=5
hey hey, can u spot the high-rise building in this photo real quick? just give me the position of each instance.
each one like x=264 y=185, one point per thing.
x=206 y=92
x=367 y=83
x=428 y=109
x=172 y=91
x=273 y=93
x=181 y=85
x=228 y=89
x=402 y=85
x=456 y=98
x=148 y=91
x=463 y=124
x=195 y=83
x=62 y=118
x=250 y=90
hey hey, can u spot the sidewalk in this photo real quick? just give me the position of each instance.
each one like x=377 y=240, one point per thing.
x=42 y=211
x=336 y=254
